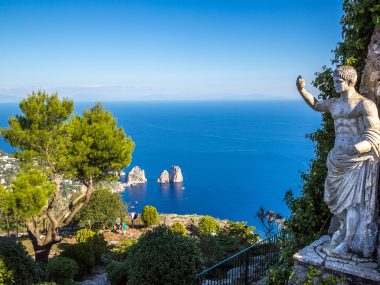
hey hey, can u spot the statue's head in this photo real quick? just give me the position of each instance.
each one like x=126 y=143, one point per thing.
x=344 y=77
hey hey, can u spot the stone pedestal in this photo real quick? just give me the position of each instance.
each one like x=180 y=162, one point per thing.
x=348 y=269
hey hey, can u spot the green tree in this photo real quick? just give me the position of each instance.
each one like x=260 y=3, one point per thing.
x=86 y=148
x=8 y=220
x=208 y=225
x=102 y=210
x=149 y=216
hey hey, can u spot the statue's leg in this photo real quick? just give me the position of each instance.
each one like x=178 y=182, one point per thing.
x=352 y=219
x=339 y=234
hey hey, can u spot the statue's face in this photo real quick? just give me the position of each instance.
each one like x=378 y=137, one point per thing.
x=340 y=84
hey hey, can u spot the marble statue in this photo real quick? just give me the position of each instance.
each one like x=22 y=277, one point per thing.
x=352 y=178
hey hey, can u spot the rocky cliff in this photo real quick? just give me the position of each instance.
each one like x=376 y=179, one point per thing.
x=164 y=177
x=135 y=176
x=175 y=174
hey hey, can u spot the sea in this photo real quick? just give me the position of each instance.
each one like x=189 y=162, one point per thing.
x=235 y=156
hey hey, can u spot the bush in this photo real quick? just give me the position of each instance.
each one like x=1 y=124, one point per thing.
x=178 y=228
x=61 y=270
x=16 y=260
x=6 y=276
x=161 y=254
x=234 y=237
x=149 y=216
x=84 y=234
x=102 y=210
x=240 y=231
x=117 y=273
x=120 y=250
x=99 y=246
x=84 y=256
x=208 y=225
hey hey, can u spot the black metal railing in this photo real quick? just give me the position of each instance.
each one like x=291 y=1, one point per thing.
x=246 y=266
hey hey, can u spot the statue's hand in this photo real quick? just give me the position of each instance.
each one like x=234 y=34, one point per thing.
x=300 y=83
x=353 y=150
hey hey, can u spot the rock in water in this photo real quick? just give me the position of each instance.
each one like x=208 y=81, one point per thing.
x=136 y=176
x=164 y=177
x=176 y=174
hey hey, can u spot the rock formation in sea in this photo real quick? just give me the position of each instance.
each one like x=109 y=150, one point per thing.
x=164 y=177
x=175 y=174
x=136 y=176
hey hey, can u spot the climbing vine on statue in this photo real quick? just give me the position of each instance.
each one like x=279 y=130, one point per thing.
x=310 y=216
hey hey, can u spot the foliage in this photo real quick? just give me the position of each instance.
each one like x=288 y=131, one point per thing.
x=99 y=246
x=18 y=263
x=208 y=225
x=102 y=210
x=313 y=276
x=27 y=195
x=84 y=234
x=241 y=232
x=234 y=237
x=117 y=273
x=97 y=147
x=178 y=228
x=120 y=250
x=61 y=270
x=37 y=131
x=83 y=254
x=161 y=254
x=149 y=216
x=6 y=275
x=31 y=191
x=310 y=216
x=95 y=240
x=269 y=220
x=8 y=220
x=86 y=148
x=358 y=23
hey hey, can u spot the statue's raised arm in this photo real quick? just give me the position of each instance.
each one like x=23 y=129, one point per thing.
x=320 y=106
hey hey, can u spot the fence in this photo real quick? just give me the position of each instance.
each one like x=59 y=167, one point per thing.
x=244 y=267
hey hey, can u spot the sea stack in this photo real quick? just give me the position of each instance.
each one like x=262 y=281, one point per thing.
x=136 y=176
x=176 y=174
x=164 y=177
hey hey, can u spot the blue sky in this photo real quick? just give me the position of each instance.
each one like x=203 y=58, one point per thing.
x=158 y=50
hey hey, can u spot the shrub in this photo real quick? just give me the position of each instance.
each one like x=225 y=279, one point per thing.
x=234 y=237
x=17 y=261
x=161 y=254
x=241 y=232
x=6 y=275
x=178 y=228
x=99 y=246
x=102 y=210
x=120 y=250
x=149 y=216
x=61 y=270
x=84 y=234
x=117 y=273
x=84 y=256
x=208 y=225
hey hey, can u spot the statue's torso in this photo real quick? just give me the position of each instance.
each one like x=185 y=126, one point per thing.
x=348 y=122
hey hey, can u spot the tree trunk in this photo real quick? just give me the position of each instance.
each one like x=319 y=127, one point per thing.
x=41 y=249
x=42 y=252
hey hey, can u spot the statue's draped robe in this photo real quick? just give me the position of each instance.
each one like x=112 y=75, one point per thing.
x=352 y=181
